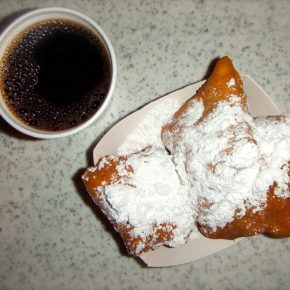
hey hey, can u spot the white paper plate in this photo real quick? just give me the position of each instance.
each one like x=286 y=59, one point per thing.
x=260 y=104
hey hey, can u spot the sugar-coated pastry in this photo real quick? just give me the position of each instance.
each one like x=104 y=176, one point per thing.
x=236 y=167
x=142 y=196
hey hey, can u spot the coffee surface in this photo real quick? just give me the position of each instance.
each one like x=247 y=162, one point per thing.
x=55 y=75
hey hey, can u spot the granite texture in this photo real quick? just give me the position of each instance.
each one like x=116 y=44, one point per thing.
x=51 y=235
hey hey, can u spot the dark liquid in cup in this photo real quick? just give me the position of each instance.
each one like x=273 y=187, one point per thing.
x=55 y=75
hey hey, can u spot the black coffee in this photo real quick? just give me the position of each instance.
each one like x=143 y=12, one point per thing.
x=55 y=75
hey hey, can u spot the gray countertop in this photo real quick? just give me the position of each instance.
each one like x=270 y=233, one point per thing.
x=51 y=235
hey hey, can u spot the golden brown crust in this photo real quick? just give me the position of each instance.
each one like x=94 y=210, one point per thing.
x=215 y=89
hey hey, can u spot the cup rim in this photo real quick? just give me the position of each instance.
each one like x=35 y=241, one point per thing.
x=92 y=25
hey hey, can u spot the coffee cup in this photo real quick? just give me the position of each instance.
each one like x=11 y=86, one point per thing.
x=57 y=72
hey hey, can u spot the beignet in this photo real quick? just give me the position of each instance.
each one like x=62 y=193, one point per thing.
x=236 y=167
x=142 y=196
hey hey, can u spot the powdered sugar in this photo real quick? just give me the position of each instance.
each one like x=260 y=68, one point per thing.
x=150 y=194
x=148 y=131
x=192 y=115
x=231 y=82
x=273 y=137
x=226 y=160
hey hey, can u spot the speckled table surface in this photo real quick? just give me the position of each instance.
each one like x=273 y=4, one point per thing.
x=51 y=236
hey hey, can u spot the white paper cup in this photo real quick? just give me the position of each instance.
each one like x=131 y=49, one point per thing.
x=37 y=15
